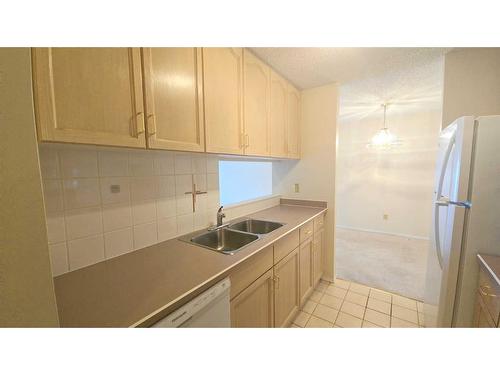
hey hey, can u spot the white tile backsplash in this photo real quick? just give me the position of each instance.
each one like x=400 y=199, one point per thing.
x=113 y=163
x=145 y=235
x=166 y=186
x=85 y=251
x=83 y=222
x=199 y=164
x=118 y=242
x=141 y=163
x=78 y=162
x=183 y=184
x=108 y=196
x=144 y=212
x=167 y=228
x=116 y=216
x=53 y=195
x=164 y=163
x=185 y=224
x=142 y=188
x=166 y=207
x=81 y=192
x=87 y=223
x=49 y=162
x=56 y=230
x=59 y=258
x=183 y=163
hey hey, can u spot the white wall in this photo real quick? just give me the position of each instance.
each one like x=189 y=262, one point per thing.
x=471 y=83
x=315 y=171
x=398 y=182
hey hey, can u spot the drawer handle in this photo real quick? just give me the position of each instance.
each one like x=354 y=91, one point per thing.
x=486 y=294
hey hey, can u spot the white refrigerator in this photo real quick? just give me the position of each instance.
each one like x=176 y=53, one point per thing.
x=465 y=218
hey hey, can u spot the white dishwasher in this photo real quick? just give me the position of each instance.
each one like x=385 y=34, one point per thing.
x=210 y=309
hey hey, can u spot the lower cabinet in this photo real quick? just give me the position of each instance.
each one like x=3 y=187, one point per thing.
x=482 y=318
x=286 y=289
x=268 y=289
x=306 y=273
x=254 y=307
x=318 y=255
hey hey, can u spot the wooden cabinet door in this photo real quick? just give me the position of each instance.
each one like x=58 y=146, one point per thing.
x=173 y=95
x=256 y=101
x=318 y=247
x=482 y=318
x=293 y=122
x=89 y=95
x=254 y=307
x=286 y=289
x=223 y=88
x=306 y=269
x=279 y=96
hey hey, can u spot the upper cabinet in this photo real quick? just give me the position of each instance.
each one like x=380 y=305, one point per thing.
x=223 y=88
x=173 y=96
x=219 y=100
x=257 y=78
x=293 y=122
x=279 y=94
x=89 y=95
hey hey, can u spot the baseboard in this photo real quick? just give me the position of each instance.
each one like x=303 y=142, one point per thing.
x=382 y=232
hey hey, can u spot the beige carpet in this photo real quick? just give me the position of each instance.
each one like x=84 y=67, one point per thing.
x=393 y=263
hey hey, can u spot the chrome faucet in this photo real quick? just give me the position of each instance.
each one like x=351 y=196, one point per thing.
x=220 y=215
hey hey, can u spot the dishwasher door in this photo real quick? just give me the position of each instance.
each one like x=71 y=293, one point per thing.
x=210 y=309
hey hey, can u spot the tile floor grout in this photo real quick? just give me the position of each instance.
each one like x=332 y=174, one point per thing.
x=346 y=288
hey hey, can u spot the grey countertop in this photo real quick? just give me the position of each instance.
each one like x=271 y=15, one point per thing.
x=139 y=288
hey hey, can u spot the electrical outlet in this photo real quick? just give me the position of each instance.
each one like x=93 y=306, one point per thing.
x=296 y=188
x=385 y=216
x=115 y=188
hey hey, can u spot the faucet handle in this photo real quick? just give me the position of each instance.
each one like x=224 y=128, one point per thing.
x=220 y=209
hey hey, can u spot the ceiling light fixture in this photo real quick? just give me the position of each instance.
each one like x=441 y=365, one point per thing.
x=384 y=139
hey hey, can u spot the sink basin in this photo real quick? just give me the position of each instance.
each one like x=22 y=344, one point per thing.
x=256 y=226
x=224 y=240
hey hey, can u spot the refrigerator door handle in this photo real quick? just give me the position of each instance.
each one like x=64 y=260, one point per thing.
x=439 y=202
x=436 y=236
x=445 y=201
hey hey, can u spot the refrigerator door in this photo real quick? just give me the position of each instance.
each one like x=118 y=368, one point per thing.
x=448 y=218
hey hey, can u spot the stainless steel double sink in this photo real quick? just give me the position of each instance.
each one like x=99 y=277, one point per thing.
x=233 y=236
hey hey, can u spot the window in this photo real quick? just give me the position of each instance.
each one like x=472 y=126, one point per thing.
x=244 y=180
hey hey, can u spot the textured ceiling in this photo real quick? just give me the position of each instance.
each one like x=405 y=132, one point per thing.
x=311 y=67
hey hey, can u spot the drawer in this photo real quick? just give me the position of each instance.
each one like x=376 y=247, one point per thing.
x=490 y=294
x=286 y=245
x=250 y=270
x=319 y=222
x=306 y=230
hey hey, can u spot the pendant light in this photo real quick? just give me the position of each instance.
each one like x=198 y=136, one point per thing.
x=384 y=139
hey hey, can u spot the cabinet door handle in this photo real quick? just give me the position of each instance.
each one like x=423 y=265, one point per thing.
x=276 y=282
x=151 y=124
x=242 y=140
x=247 y=140
x=139 y=125
x=486 y=294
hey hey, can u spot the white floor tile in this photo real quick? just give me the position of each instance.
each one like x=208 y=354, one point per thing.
x=405 y=314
